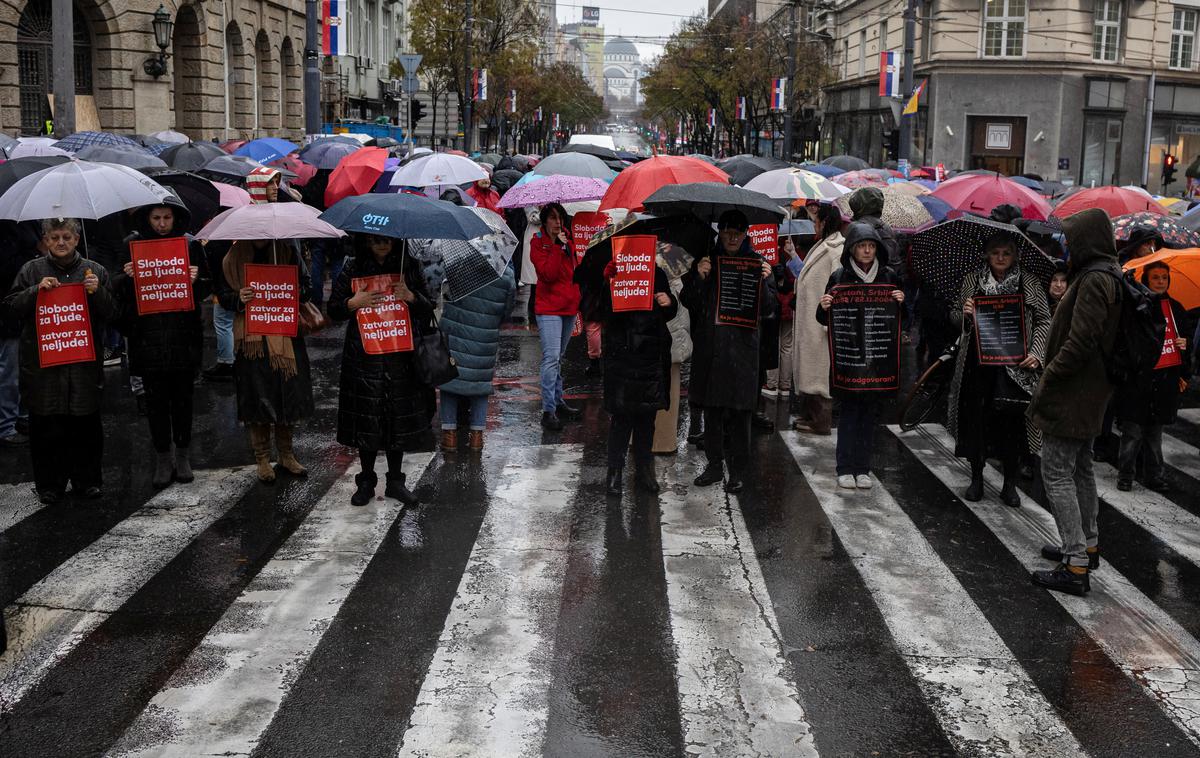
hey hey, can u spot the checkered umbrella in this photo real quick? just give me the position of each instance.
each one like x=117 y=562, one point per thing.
x=943 y=255
x=76 y=142
x=786 y=184
x=1173 y=233
x=901 y=210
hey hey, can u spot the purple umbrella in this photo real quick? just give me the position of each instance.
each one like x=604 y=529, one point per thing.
x=268 y=221
x=560 y=188
x=385 y=179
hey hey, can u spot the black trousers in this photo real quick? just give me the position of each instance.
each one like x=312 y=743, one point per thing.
x=620 y=427
x=395 y=460
x=718 y=421
x=169 y=407
x=66 y=449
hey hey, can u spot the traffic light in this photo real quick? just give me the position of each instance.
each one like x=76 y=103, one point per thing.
x=891 y=145
x=416 y=110
x=1168 y=169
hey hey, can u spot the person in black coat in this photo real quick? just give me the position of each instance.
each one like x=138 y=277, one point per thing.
x=725 y=377
x=861 y=264
x=382 y=403
x=165 y=349
x=18 y=245
x=637 y=378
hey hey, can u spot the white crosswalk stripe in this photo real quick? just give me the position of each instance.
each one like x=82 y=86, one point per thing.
x=1177 y=528
x=17 y=502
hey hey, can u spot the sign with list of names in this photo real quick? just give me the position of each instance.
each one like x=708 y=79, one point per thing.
x=1000 y=329
x=864 y=338
x=739 y=290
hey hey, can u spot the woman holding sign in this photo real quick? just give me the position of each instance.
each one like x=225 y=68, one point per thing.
x=382 y=403
x=1006 y=319
x=62 y=301
x=556 y=305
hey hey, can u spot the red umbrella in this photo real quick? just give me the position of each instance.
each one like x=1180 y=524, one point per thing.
x=232 y=144
x=642 y=179
x=304 y=171
x=980 y=193
x=356 y=174
x=1115 y=201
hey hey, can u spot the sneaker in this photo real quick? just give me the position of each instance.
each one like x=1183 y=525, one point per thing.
x=218 y=372
x=16 y=439
x=1064 y=578
x=847 y=482
x=863 y=482
x=1054 y=553
x=711 y=475
x=770 y=392
x=112 y=357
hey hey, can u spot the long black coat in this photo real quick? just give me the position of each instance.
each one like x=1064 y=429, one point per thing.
x=1153 y=396
x=724 y=358
x=382 y=403
x=637 y=354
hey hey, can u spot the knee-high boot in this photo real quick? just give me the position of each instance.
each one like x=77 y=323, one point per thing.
x=260 y=443
x=287 y=456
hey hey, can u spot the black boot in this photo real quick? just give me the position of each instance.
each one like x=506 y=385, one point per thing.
x=1008 y=493
x=396 y=489
x=644 y=480
x=550 y=422
x=1054 y=553
x=696 y=429
x=974 y=491
x=713 y=473
x=366 y=482
x=612 y=481
x=763 y=424
x=1063 y=578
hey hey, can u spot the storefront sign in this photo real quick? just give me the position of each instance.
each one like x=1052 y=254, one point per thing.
x=386 y=327
x=64 y=327
x=584 y=226
x=739 y=287
x=1187 y=128
x=999 y=137
x=764 y=238
x=864 y=338
x=275 y=309
x=632 y=287
x=1000 y=329
x=162 y=276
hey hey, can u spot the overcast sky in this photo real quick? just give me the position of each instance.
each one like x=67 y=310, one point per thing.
x=643 y=25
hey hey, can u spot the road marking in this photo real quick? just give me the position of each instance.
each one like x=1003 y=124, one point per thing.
x=222 y=699
x=1181 y=455
x=56 y=614
x=17 y=502
x=1167 y=522
x=486 y=692
x=1141 y=639
x=979 y=692
x=736 y=690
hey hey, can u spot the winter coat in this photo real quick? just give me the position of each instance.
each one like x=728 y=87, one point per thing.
x=1074 y=391
x=637 y=354
x=533 y=225
x=18 y=246
x=810 y=339
x=485 y=198
x=557 y=292
x=724 y=358
x=866 y=203
x=1152 y=397
x=382 y=403
x=73 y=389
x=472 y=328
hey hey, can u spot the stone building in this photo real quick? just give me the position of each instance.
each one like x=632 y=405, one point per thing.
x=622 y=76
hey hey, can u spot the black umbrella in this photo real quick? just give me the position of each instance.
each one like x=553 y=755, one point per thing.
x=688 y=238
x=625 y=155
x=382 y=142
x=743 y=168
x=405 y=216
x=19 y=168
x=122 y=155
x=609 y=157
x=943 y=255
x=702 y=157
x=708 y=200
x=191 y=155
x=326 y=153
x=846 y=162
x=503 y=179
x=236 y=166
x=202 y=199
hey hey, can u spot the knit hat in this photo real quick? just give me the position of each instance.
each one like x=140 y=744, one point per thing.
x=257 y=181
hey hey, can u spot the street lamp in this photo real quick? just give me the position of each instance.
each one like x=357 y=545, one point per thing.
x=156 y=65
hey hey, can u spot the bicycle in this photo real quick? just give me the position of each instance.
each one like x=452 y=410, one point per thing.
x=929 y=390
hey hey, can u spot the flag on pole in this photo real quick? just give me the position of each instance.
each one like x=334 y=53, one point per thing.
x=333 y=26
x=556 y=122
x=537 y=115
x=889 y=74
x=778 y=93
x=712 y=118
x=740 y=109
x=911 y=107
x=479 y=83
x=512 y=101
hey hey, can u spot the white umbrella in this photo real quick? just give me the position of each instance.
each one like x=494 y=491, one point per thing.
x=438 y=169
x=80 y=189
x=172 y=136
x=31 y=149
x=795 y=183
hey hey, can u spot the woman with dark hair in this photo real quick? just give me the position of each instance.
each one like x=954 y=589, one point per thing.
x=555 y=306
x=1057 y=286
x=382 y=403
x=810 y=340
x=987 y=403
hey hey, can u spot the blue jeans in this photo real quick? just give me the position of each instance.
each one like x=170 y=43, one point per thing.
x=856 y=434
x=223 y=326
x=477 y=409
x=555 y=332
x=324 y=254
x=10 y=395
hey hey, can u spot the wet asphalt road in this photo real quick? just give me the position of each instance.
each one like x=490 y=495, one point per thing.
x=518 y=612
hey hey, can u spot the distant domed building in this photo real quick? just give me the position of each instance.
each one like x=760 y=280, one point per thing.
x=622 y=75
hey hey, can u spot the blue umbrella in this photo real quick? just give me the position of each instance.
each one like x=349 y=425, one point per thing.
x=76 y=142
x=266 y=149
x=928 y=184
x=797 y=227
x=405 y=216
x=937 y=207
x=822 y=169
x=327 y=153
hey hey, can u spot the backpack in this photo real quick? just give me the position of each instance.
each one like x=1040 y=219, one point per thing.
x=1141 y=329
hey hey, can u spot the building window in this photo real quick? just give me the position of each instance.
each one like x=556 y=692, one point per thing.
x=927 y=29
x=1101 y=148
x=846 y=56
x=883 y=45
x=1106 y=30
x=1004 y=28
x=862 y=52
x=1183 y=38
x=1106 y=93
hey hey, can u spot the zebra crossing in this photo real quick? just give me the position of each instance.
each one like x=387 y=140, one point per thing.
x=744 y=682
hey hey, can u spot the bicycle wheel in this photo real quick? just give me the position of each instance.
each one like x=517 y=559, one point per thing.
x=925 y=395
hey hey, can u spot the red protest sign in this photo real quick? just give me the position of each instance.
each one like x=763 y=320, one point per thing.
x=387 y=327
x=1170 y=353
x=64 y=326
x=633 y=286
x=162 y=277
x=764 y=238
x=584 y=226
x=276 y=306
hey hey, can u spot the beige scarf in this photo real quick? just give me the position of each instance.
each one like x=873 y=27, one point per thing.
x=278 y=347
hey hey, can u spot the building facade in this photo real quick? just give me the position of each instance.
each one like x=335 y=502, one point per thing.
x=622 y=77
x=583 y=47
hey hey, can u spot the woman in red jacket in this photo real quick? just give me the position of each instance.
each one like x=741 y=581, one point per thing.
x=555 y=305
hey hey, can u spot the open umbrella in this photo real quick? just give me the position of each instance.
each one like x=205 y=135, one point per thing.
x=743 y=168
x=384 y=142
x=76 y=142
x=1032 y=184
x=356 y=174
x=200 y=196
x=133 y=157
x=846 y=162
x=942 y=255
x=1115 y=201
x=788 y=184
x=236 y=167
x=980 y=193
x=230 y=145
x=708 y=200
x=266 y=149
x=1185 y=274
x=231 y=196
x=492 y=159
x=172 y=136
x=438 y=169
x=1176 y=206
x=468 y=265
x=607 y=156
x=938 y=209
x=574 y=164
x=797 y=227
x=702 y=157
x=1172 y=233
x=912 y=189
x=79 y=189
x=6 y=142
x=191 y=156
x=503 y=179
x=869 y=177
x=304 y=172
x=36 y=150
x=638 y=182
x=823 y=169
x=18 y=168
x=327 y=153
x=405 y=216
x=630 y=157
x=268 y=221
x=902 y=211
x=560 y=188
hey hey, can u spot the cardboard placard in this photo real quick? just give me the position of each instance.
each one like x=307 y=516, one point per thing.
x=1171 y=355
x=162 y=276
x=1000 y=329
x=64 y=326
x=864 y=338
x=739 y=289
x=276 y=309
x=764 y=238
x=387 y=327
x=632 y=288
x=584 y=226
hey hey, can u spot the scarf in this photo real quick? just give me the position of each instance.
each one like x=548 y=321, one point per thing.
x=257 y=181
x=868 y=276
x=279 y=351
x=1009 y=285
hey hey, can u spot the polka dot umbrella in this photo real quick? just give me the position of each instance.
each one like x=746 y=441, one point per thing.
x=942 y=255
x=1173 y=234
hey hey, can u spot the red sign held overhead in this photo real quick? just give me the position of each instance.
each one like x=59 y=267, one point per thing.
x=386 y=327
x=764 y=238
x=64 y=326
x=162 y=276
x=633 y=286
x=275 y=310
x=584 y=226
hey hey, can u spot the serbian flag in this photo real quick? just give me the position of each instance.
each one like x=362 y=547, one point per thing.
x=740 y=109
x=889 y=74
x=333 y=26
x=512 y=101
x=712 y=118
x=479 y=83
x=778 y=93
x=911 y=106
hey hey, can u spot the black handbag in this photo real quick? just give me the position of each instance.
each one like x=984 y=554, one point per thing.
x=435 y=365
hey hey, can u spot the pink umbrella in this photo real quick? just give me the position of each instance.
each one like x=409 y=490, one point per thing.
x=559 y=188
x=980 y=193
x=868 y=177
x=231 y=196
x=304 y=171
x=268 y=221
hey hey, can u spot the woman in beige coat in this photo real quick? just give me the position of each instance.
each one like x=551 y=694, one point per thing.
x=810 y=340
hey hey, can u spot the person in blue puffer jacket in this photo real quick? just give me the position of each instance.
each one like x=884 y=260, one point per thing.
x=472 y=328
